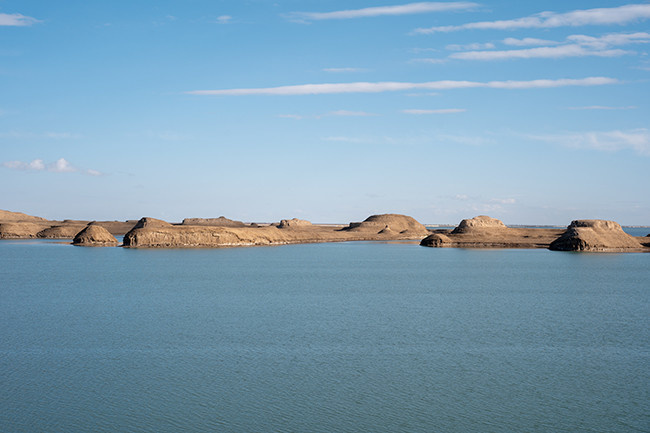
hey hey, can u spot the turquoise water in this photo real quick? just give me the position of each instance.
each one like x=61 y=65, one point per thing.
x=345 y=337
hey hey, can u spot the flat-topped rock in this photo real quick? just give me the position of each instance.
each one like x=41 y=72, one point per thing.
x=21 y=230
x=595 y=235
x=94 y=235
x=67 y=231
x=150 y=223
x=222 y=221
x=8 y=216
x=294 y=223
x=396 y=223
x=481 y=223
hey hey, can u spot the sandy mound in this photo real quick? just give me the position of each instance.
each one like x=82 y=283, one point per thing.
x=436 y=240
x=150 y=223
x=294 y=223
x=94 y=235
x=6 y=215
x=60 y=232
x=481 y=223
x=396 y=223
x=216 y=222
x=20 y=230
x=594 y=235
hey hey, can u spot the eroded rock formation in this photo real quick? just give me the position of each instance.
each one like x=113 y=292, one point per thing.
x=595 y=235
x=217 y=222
x=294 y=223
x=94 y=235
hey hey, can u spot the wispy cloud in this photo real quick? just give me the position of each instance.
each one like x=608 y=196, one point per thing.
x=558 y=52
x=600 y=16
x=527 y=42
x=573 y=46
x=637 y=140
x=474 y=46
x=61 y=165
x=437 y=111
x=17 y=20
x=393 y=86
x=602 y=107
x=407 y=9
x=224 y=19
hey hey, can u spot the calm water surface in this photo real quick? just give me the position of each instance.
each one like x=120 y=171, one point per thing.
x=345 y=337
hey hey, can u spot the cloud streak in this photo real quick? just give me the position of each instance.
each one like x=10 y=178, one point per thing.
x=558 y=52
x=61 y=165
x=601 y=16
x=407 y=9
x=394 y=86
x=637 y=140
x=17 y=20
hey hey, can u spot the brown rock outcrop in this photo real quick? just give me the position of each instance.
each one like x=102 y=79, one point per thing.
x=94 y=235
x=437 y=240
x=216 y=222
x=401 y=224
x=294 y=223
x=20 y=230
x=8 y=216
x=595 y=235
x=480 y=223
x=67 y=231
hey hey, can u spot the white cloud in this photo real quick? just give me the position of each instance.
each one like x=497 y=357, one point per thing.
x=602 y=107
x=466 y=140
x=438 y=111
x=637 y=140
x=224 y=19
x=600 y=16
x=575 y=46
x=61 y=165
x=407 y=9
x=17 y=20
x=474 y=46
x=610 y=39
x=393 y=86
x=527 y=42
x=558 y=52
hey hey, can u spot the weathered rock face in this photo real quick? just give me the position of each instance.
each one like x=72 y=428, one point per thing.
x=7 y=216
x=480 y=223
x=395 y=223
x=436 y=240
x=20 y=230
x=67 y=231
x=94 y=235
x=151 y=223
x=216 y=222
x=594 y=235
x=294 y=223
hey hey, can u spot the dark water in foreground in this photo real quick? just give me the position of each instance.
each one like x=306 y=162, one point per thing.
x=348 y=337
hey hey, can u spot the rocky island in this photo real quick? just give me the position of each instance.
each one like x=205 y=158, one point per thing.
x=478 y=232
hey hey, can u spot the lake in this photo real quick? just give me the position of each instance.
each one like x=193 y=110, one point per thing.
x=340 y=337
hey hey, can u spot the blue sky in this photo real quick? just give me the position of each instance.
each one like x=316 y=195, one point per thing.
x=326 y=110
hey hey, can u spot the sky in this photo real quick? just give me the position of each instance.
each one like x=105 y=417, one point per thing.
x=329 y=110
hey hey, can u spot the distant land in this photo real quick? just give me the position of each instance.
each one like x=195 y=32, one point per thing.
x=478 y=232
